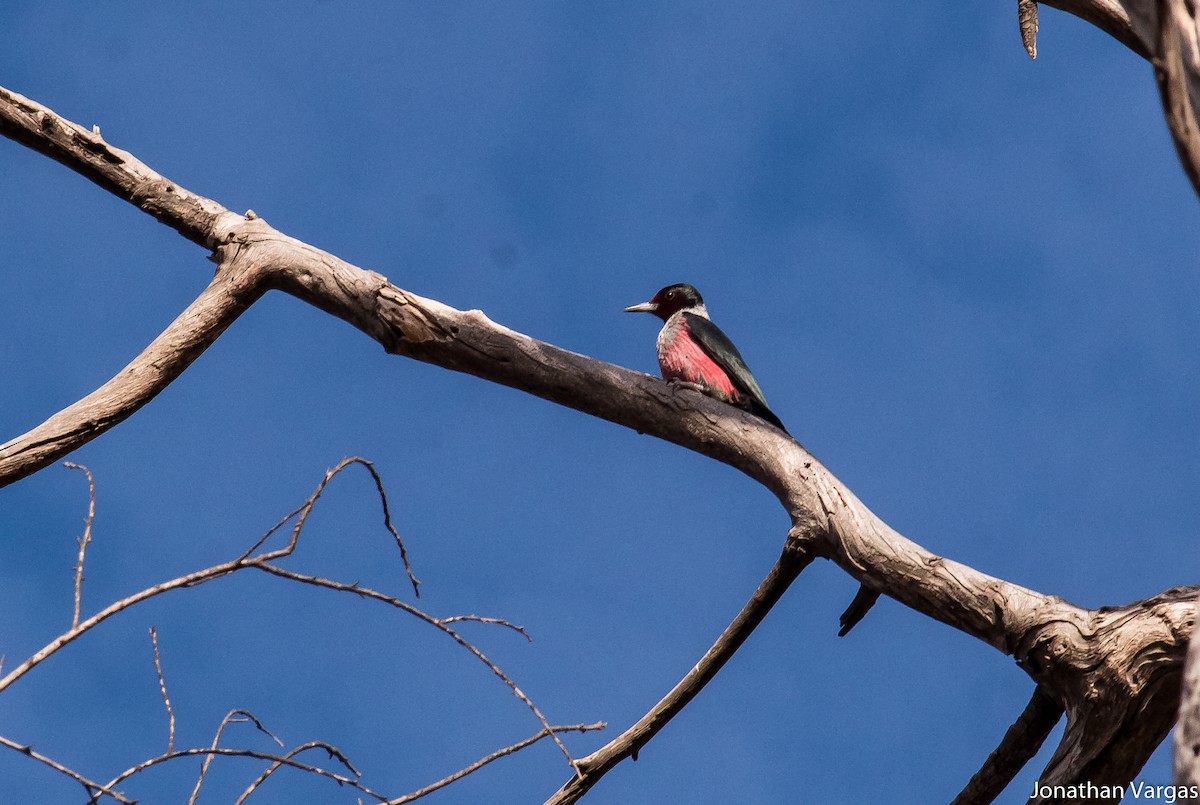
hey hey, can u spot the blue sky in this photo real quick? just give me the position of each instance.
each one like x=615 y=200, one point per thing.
x=965 y=281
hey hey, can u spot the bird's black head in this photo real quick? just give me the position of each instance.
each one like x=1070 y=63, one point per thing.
x=669 y=301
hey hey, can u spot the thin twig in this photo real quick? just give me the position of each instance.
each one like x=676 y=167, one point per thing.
x=282 y=522
x=333 y=752
x=305 y=508
x=252 y=753
x=263 y=561
x=367 y=592
x=94 y=789
x=189 y=580
x=495 y=621
x=162 y=686
x=797 y=554
x=85 y=539
x=232 y=717
x=499 y=753
x=387 y=522
x=301 y=513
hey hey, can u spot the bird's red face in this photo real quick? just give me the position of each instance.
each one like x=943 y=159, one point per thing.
x=669 y=301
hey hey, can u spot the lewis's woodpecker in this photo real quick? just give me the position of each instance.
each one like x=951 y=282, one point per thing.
x=693 y=350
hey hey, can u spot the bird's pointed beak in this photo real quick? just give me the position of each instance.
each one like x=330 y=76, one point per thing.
x=644 y=307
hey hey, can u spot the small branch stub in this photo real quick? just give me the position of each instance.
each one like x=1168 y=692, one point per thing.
x=1027 y=18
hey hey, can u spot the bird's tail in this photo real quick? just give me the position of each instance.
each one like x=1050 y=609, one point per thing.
x=763 y=412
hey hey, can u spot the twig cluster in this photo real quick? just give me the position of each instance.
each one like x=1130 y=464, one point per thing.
x=258 y=558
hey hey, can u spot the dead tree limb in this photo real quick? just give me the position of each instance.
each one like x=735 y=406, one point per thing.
x=1177 y=70
x=1187 y=736
x=1020 y=743
x=797 y=555
x=1129 y=657
x=1122 y=20
x=1165 y=33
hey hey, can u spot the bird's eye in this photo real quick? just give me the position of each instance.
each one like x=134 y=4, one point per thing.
x=670 y=294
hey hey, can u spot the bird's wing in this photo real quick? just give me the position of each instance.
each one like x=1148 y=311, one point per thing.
x=721 y=349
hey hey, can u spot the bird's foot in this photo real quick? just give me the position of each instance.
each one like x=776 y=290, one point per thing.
x=686 y=384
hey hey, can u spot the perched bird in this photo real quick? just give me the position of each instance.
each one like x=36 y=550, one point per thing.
x=693 y=350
